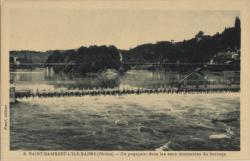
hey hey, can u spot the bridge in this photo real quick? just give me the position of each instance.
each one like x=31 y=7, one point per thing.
x=43 y=65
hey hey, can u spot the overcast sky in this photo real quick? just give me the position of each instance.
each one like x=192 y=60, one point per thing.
x=45 y=29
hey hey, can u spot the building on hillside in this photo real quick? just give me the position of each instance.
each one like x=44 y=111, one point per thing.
x=226 y=57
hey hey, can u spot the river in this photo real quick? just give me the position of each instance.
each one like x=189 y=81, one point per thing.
x=42 y=79
x=128 y=122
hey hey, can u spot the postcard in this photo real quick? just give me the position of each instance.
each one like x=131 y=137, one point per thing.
x=125 y=80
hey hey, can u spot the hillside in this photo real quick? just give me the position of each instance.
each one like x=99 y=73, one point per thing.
x=199 y=49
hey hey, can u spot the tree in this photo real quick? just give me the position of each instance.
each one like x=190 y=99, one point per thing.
x=199 y=34
x=237 y=22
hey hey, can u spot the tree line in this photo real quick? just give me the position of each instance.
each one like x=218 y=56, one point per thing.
x=199 y=49
x=85 y=59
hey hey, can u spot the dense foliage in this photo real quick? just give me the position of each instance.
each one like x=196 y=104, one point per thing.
x=200 y=49
x=85 y=59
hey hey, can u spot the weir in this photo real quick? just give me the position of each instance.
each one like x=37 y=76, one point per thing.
x=117 y=92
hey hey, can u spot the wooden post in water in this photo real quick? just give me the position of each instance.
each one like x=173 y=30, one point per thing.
x=12 y=93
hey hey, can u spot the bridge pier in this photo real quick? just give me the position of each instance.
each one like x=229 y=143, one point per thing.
x=12 y=93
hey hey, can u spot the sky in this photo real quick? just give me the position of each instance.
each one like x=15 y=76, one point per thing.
x=48 y=29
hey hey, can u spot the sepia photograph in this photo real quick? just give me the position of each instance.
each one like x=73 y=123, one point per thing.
x=158 y=80
x=124 y=80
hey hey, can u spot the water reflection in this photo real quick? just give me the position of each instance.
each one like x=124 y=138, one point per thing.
x=48 y=79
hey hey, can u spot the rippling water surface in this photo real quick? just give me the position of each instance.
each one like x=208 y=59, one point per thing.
x=132 y=122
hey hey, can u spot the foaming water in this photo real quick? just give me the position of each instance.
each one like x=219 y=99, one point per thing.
x=129 y=122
